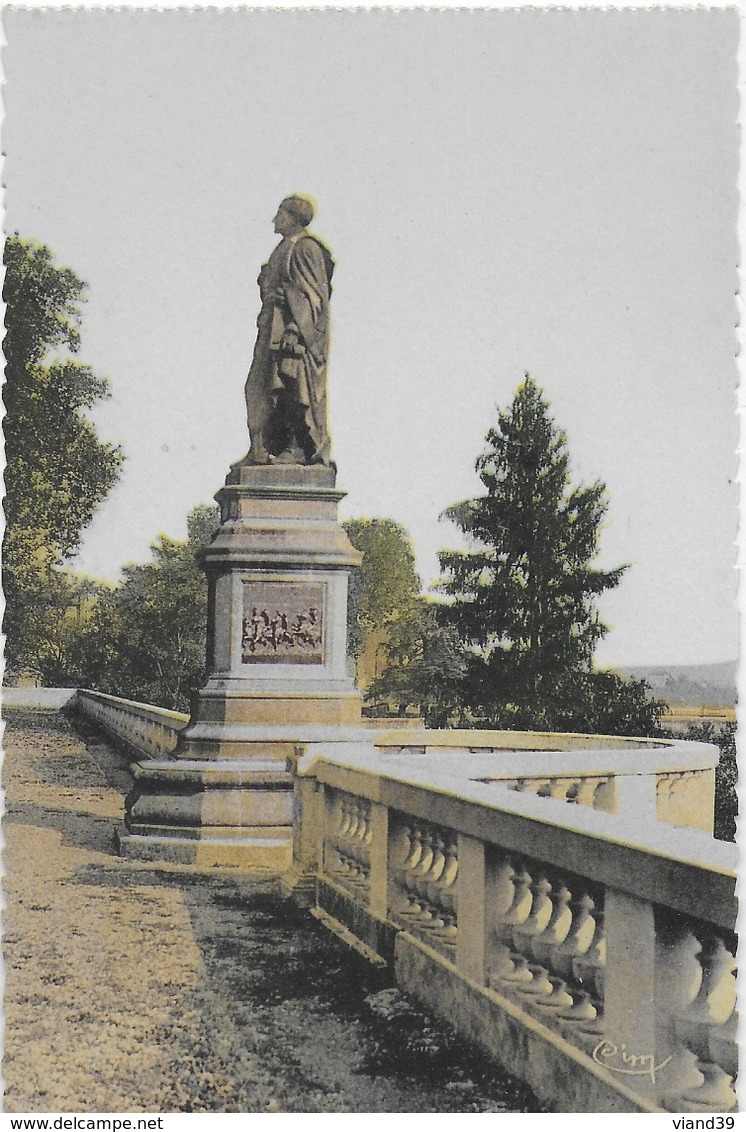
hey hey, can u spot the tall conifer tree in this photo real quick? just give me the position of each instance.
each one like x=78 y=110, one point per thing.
x=524 y=594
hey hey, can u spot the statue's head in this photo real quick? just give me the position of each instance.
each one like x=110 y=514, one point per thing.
x=293 y=213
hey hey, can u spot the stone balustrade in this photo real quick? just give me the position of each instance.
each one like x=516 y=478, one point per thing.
x=144 y=730
x=591 y=952
x=556 y=898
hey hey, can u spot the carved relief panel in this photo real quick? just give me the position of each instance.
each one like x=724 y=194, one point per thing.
x=283 y=622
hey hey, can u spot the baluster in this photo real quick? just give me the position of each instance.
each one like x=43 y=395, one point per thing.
x=556 y=788
x=415 y=851
x=590 y=968
x=535 y=785
x=520 y=906
x=351 y=840
x=583 y=791
x=354 y=824
x=411 y=875
x=448 y=894
x=722 y=999
x=542 y=945
x=366 y=839
x=716 y=997
x=331 y=853
x=423 y=874
x=538 y=918
x=524 y=934
x=691 y=1085
x=431 y=887
x=581 y=1019
x=345 y=865
x=557 y=929
x=509 y=967
x=400 y=846
x=503 y=888
x=367 y=832
x=707 y=1025
x=401 y=850
x=578 y=939
x=357 y=848
x=344 y=815
x=439 y=888
x=679 y=955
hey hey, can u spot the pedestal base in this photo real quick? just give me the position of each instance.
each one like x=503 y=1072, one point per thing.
x=248 y=853
x=208 y=812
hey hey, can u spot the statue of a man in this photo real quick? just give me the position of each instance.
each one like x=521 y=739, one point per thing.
x=286 y=386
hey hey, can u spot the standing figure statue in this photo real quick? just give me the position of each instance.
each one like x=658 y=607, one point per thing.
x=286 y=386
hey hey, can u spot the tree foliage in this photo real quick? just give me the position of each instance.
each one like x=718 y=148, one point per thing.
x=523 y=597
x=146 y=638
x=57 y=471
x=723 y=735
x=425 y=667
x=423 y=660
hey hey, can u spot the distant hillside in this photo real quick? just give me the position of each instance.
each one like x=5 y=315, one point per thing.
x=690 y=685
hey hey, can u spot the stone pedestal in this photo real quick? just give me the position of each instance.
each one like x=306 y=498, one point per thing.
x=277 y=570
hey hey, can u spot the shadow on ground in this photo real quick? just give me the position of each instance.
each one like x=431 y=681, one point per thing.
x=282 y=1017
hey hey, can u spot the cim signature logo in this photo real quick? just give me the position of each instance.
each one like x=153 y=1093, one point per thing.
x=619 y=1060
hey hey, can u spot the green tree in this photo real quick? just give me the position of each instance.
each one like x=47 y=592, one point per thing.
x=61 y=614
x=425 y=667
x=726 y=773
x=424 y=661
x=386 y=586
x=606 y=703
x=146 y=638
x=57 y=471
x=523 y=597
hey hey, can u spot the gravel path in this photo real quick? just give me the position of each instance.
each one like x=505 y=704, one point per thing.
x=131 y=988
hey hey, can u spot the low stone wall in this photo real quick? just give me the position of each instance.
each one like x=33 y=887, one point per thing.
x=142 y=729
x=592 y=953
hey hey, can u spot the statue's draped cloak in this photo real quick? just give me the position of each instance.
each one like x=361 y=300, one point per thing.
x=295 y=286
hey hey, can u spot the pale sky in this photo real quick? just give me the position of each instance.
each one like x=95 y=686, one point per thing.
x=551 y=191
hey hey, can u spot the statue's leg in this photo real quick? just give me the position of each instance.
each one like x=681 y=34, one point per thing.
x=259 y=398
x=287 y=426
x=256 y=417
x=278 y=432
